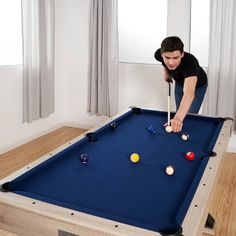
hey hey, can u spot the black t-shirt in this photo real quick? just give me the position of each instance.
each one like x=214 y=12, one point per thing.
x=189 y=66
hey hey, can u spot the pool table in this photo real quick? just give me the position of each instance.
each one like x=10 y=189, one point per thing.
x=110 y=194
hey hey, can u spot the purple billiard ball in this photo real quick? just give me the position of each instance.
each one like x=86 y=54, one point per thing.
x=113 y=125
x=84 y=158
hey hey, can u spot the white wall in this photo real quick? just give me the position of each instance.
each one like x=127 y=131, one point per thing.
x=142 y=85
x=72 y=20
x=232 y=143
x=179 y=20
x=12 y=131
x=139 y=84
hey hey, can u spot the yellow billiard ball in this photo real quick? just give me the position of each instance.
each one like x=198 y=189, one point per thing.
x=134 y=157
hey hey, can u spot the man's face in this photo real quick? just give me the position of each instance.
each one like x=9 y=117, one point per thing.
x=172 y=59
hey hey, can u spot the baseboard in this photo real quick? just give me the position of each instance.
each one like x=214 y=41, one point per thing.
x=231 y=149
x=76 y=125
x=232 y=143
x=30 y=138
x=41 y=133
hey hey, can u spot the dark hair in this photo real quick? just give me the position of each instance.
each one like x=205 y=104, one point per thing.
x=171 y=44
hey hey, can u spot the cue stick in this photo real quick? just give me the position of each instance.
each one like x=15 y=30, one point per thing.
x=169 y=94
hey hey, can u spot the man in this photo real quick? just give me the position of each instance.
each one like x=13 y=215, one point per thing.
x=190 y=78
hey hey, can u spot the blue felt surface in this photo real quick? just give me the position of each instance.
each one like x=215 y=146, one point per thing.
x=113 y=187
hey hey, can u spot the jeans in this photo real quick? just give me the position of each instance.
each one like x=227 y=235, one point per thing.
x=198 y=99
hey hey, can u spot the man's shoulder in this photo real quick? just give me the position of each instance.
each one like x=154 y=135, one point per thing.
x=189 y=59
x=157 y=55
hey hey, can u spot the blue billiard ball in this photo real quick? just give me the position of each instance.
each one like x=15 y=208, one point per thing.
x=151 y=129
x=84 y=158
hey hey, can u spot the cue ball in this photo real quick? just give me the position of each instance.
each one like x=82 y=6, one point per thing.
x=168 y=129
x=170 y=170
x=84 y=158
x=190 y=156
x=134 y=157
x=185 y=137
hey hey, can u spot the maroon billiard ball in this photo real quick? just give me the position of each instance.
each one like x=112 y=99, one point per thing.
x=113 y=125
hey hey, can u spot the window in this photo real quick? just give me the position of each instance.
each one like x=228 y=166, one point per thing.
x=11 y=32
x=142 y=27
x=199 y=45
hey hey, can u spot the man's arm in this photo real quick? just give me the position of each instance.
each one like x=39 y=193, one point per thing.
x=189 y=93
x=167 y=77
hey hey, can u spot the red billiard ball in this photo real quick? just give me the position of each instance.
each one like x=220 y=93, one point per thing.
x=190 y=156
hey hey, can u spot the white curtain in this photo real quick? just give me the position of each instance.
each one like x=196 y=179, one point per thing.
x=38 y=58
x=221 y=97
x=103 y=58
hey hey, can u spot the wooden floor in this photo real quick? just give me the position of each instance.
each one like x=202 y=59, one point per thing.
x=224 y=201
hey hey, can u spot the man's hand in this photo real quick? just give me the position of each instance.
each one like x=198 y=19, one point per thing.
x=176 y=124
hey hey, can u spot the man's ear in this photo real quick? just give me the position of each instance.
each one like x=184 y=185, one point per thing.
x=182 y=55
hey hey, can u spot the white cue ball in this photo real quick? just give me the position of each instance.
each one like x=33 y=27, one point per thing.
x=168 y=129
x=170 y=170
x=185 y=137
